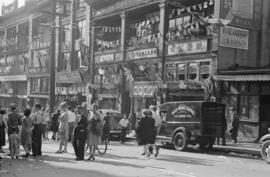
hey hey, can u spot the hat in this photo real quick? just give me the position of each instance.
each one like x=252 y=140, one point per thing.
x=146 y=112
x=2 y=111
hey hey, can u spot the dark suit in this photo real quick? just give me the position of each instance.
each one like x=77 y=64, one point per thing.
x=146 y=131
x=80 y=134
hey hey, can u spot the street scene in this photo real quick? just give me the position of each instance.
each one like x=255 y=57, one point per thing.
x=134 y=88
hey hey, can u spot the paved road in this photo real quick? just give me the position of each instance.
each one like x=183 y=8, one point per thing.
x=125 y=161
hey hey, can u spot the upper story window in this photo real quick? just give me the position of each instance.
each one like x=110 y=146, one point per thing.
x=81 y=30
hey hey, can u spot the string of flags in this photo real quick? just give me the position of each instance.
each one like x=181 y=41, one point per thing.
x=111 y=29
x=191 y=9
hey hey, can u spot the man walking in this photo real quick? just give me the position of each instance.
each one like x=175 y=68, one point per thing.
x=71 y=122
x=37 y=130
x=123 y=125
x=80 y=134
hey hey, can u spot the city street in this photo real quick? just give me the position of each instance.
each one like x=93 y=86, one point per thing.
x=125 y=160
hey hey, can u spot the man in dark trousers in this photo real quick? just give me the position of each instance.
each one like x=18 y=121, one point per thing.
x=80 y=134
x=37 y=130
x=14 y=121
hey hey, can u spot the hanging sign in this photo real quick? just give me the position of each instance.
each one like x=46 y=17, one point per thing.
x=144 y=90
x=234 y=37
x=187 y=47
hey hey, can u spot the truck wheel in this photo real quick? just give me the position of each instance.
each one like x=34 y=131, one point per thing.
x=179 y=141
x=265 y=151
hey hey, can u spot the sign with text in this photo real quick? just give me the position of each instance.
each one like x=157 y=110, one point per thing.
x=187 y=47
x=144 y=53
x=144 y=90
x=234 y=37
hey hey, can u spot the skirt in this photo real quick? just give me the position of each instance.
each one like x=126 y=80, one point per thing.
x=93 y=139
x=2 y=136
x=26 y=138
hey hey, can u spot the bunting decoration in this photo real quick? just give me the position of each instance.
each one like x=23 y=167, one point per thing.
x=111 y=29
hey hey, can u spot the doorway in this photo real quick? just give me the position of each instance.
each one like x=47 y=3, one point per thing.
x=264 y=114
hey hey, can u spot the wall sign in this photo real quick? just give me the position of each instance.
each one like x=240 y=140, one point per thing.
x=183 y=111
x=144 y=53
x=187 y=47
x=234 y=37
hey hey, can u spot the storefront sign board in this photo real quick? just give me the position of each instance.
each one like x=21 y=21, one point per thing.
x=144 y=53
x=187 y=47
x=234 y=37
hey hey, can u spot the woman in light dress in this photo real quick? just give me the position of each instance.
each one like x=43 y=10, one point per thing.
x=63 y=132
x=95 y=130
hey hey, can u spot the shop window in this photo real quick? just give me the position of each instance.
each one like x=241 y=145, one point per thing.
x=243 y=87
x=170 y=72
x=44 y=85
x=233 y=87
x=243 y=112
x=193 y=71
x=233 y=101
x=254 y=87
x=254 y=108
x=64 y=62
x=205 y=70
x=181 y=72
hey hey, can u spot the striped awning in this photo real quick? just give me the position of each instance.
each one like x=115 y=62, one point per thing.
x=247 y=77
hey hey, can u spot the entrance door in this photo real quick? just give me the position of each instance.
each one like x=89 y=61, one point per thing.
x=264 y=114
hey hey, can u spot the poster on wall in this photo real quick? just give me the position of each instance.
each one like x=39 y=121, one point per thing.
x=234 y=37
x=242 y=13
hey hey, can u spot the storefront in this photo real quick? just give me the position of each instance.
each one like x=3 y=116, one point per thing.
x=13 y=89
x=250 y=96
x=69 y=88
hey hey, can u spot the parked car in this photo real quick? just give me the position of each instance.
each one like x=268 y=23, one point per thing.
x=265 y=146
x=192 y=122
x=114 y=122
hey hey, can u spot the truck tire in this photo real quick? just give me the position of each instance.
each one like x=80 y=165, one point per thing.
x=179 y=141
x=265 y=151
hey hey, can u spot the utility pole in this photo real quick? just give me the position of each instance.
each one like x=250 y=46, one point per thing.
x=52 y=61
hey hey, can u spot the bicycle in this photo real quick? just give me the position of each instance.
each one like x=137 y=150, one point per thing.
x=102 y=148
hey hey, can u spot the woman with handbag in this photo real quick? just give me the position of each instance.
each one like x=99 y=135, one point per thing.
x=95 y=130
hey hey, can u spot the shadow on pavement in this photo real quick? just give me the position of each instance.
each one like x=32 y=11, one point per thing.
x=188 y=160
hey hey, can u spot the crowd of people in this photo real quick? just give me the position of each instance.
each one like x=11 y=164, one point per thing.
x=81 y=127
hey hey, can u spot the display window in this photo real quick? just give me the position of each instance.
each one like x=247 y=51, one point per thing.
x=193 y=71
x=181 y=71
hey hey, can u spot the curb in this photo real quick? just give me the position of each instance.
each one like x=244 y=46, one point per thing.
x=251 y=151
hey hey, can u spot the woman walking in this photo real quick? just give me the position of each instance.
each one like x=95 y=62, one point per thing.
x=26 y=136
x=55 y=124
x=3 y=126
x=63 y=133
x=146 y=132
x=94 y=131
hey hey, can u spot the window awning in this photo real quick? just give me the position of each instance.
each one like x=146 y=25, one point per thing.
x=73 y=77
x=247 y=77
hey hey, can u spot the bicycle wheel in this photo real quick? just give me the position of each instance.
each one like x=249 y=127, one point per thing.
x=102 y=148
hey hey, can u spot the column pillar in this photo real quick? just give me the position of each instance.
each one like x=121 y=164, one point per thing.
x=73 y=27
x=162 y=24
x=123 y=34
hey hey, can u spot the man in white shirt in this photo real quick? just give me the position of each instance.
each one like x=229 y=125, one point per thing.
x=157 y=118
x=124 y=126
x=71 y=122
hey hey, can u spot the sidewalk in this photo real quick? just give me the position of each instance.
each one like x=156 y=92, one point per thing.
x=243 y=148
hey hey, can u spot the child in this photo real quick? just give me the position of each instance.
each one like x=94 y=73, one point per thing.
x=26 y=137
x=14 y=140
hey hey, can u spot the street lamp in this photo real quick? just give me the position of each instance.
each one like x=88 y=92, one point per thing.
x=101 y=73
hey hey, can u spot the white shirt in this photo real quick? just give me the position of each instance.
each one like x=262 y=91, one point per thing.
x=71 y=117
x=124 y=122
x=157 y=118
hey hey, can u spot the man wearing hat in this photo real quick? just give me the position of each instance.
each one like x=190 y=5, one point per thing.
x=14 y=123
